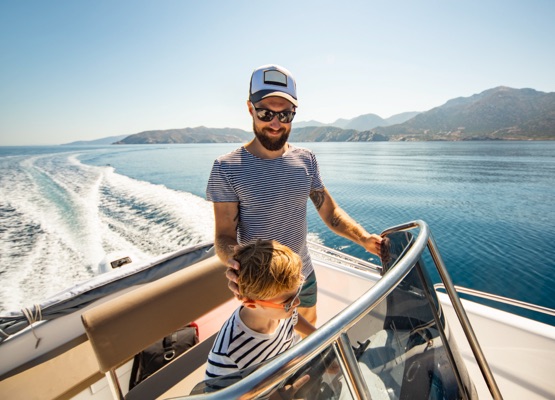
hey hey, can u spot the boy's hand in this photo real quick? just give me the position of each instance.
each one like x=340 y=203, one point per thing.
x=288 y=391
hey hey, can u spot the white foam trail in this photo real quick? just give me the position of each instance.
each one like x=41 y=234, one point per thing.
x=59 y=218
x=314 y=237
x=151 y=217
x=36 y=253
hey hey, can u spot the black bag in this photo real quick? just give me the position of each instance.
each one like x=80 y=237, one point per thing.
x=162 y=352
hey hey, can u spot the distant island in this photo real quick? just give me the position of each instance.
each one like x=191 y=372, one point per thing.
x=106 y=140
x=200 y=134
x=501 y=113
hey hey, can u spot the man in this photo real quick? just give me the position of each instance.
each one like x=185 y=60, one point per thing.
x=260 y=190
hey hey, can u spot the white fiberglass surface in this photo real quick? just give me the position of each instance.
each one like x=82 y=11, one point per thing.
x=519 y=351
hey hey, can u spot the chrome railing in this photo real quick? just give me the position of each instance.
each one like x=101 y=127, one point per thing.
x=500 y=299
x=463 y=319
x=336 y=257
x=333 y=333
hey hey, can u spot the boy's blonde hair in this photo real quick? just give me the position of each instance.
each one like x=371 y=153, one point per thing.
x=267 y=269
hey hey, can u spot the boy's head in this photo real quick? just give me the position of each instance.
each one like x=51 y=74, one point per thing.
x=267 y=270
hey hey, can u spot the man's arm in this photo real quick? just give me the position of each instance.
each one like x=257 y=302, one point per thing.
x=342 y=224
x=226 y=218
x=303 y=326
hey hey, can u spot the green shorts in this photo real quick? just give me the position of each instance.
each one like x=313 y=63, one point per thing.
x=309 y=291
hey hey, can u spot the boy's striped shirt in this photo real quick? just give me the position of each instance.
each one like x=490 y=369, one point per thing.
x=237 y=346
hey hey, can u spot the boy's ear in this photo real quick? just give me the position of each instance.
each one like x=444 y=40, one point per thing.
x=249 y=303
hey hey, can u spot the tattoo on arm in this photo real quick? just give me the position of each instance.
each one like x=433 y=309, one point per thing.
x=345 y=225
x=317 y=198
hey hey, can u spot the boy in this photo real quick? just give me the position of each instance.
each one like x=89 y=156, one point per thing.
x=264 y=326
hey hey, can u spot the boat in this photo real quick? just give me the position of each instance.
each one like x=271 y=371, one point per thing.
x=398 y=330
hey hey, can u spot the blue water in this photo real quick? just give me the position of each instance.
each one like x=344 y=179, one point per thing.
x=489 y=206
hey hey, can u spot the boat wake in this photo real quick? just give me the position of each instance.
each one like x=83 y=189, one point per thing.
x=59 y=219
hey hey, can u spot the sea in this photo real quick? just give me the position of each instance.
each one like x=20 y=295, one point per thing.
x=490 y=205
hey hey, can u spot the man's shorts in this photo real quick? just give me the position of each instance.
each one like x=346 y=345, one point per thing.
x=309 y=291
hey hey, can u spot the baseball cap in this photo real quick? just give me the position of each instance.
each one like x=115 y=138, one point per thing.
x=272 y=80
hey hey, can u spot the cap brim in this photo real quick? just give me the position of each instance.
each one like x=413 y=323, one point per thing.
x=262 y=94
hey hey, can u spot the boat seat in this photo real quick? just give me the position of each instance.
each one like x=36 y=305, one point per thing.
x=60 y=377
x=124 y=326
x=171 y=374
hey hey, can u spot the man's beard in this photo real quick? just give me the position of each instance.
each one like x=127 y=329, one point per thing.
x=270 y=143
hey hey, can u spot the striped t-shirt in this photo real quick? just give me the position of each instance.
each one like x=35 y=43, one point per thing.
x=237 y=346
x=272 y=195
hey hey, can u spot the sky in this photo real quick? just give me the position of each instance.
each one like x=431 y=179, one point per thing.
x=82 y=70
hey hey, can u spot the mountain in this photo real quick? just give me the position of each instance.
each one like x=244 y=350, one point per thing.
x=498 y=113
x=400 y=118
x=333 y=134
x=362 y=122
x=106 y=140
x=304 y=124
x=199 y=134
x=320 y=134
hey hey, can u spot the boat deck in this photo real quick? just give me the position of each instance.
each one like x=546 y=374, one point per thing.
x=519 y=351
x=524 y=342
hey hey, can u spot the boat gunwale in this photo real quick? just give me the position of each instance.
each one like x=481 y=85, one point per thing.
x=500 y=299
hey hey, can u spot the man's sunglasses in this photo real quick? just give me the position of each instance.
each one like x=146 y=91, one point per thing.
x=287 y=306
x=263 y=114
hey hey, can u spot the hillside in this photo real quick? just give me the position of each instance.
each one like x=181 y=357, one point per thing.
x=227 y=135
x=333 y=134
x=199 y=134
x=362 y=122
x=106 y=140
x=500 y=113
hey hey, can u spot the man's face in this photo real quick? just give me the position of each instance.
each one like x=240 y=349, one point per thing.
x=274 y=134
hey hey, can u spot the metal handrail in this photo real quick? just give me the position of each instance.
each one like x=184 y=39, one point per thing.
x=295 y=358
x=500 y=299
x=465 y=322
x=317 y=248
x=332 y=332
